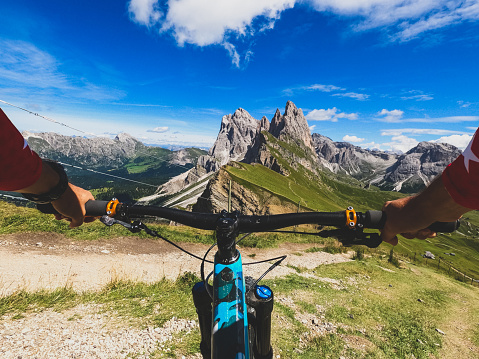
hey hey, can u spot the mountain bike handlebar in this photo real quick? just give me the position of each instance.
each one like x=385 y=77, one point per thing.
x=255 y=223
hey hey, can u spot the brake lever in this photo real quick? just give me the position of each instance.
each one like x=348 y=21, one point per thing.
x=110 y=221
x=371 y=240
x=356 y=237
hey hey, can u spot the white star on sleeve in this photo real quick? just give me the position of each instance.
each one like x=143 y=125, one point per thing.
x=469 y=155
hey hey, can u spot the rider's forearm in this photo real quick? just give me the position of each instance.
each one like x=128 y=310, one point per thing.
x=47 y=180
x=435 y=204
x=410 y=216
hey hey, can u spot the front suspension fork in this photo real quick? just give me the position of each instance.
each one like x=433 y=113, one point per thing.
x=260 y=306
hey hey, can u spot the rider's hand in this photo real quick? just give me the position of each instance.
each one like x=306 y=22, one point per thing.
x=71 y=205
x=399 y=221
x=410 y=216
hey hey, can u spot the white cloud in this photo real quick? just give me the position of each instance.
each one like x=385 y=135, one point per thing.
x=144 y=12
x=390 y=116
x=460 y=141
x=396 y=116
x=417 y=95
x=322 y=88
x=355 y=95
x=420 y=131
x=406 y=19
x=401 y=143
x=159 y=129
x=205 y=22
x=353 y=139
x=331 y=114
x=221 y=22
x=314 y=87
x=449 y=119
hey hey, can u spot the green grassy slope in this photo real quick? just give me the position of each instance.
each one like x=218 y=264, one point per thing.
x=330 y=192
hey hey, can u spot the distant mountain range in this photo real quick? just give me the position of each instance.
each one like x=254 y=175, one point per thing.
x=284 y=145
x=124 y=156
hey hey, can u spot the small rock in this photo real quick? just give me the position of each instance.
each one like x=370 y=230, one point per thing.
x=105 y=251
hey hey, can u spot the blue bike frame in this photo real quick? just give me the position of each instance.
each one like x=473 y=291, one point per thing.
x=230 y=316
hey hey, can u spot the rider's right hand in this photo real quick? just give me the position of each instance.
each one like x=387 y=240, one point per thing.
x=399 y=221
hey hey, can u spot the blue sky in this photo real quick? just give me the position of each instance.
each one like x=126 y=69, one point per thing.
x=379 y=74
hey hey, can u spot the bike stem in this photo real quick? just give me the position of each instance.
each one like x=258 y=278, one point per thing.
x=227 y=231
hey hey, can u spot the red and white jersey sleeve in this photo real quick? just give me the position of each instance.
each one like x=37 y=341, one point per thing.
x=20 y=167
x=461 y=177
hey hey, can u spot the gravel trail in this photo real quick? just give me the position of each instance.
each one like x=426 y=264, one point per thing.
x=34 y=261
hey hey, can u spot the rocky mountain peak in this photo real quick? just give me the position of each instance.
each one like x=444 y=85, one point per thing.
x=125 y=137
x=292 y=125
x=236 y=135
x=264 y=124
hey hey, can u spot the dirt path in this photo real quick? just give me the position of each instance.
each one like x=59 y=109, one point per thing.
x=34 y=261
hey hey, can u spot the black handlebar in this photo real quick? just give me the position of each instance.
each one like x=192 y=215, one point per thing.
x=246 y=224
x=369 y=219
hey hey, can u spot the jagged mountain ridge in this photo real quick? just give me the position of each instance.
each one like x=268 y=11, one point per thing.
x=243 y=138
x=418 y=167
x=409 y=172
x=343 y=157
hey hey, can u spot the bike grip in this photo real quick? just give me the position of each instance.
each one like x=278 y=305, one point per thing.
x=96 y=208
x=377 y=219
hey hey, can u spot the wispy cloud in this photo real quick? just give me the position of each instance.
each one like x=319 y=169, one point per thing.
x=331 y=114
x=26 y=66
x=315 y=87
x=466 y=104
x=332 y=89
x=396 y=116
x=420 y=131
x=417 y=95
x=449 y=119
x=159 y=130
x=354 y=95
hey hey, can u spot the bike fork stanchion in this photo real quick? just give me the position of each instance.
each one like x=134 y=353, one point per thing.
x=203 y=306
x=261 y=299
